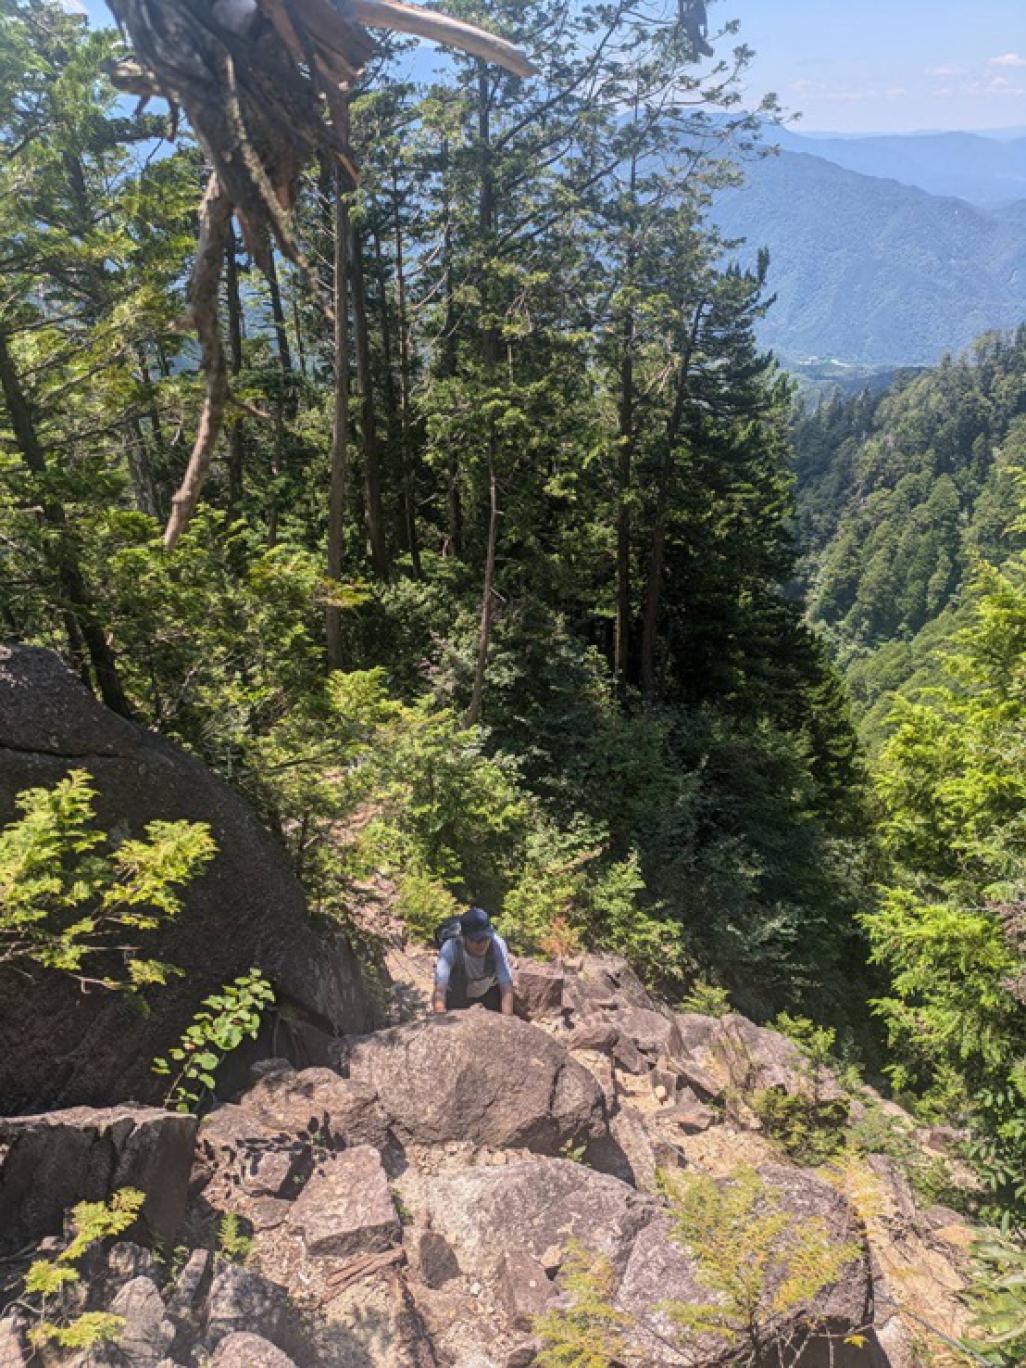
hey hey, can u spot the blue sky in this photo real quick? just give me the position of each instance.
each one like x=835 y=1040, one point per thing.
x=889 y=65
x=878 y=65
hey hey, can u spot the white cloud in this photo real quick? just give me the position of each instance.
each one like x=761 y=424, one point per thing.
x=1010 y=59
x=945 y=71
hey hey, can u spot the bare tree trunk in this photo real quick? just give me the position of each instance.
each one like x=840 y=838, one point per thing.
x=487 y=602
x=281 y=332
x=340 y=429
x=401 y=409
x=657 y=545
x=455 y=504
x=405 y=383
x=285 y=407
x=206 y=274
x=490 y=351
x=85 y=635
x=236 y=436
x=368 y=417
x=140 y=472
x=625 y=455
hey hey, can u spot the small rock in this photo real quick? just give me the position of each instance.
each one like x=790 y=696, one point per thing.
x=242 y=1300
x=594 y=1034
x=523 y=1291
x=660 y=1093
x=701 y=1082
x=435 y=1259
x=692 y=1117
x=148 y=1333
x=539 y=990
x=188 y=1289
x=11 y=1353
x=347 y=1207
x=254 y=1157
x=249 y=1351
x=126 y=1261
x=629 y=1057
x=667 y=1077
x=475 y=1289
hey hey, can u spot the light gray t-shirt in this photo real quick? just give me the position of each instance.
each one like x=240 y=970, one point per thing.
x=478 y=979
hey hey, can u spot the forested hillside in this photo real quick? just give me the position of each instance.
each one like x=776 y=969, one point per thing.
x=872 y=271
x=902 y=496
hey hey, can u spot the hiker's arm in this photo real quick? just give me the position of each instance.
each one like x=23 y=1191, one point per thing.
x=504 y=977
x=443 y=968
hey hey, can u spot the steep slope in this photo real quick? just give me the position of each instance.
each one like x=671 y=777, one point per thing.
x=869 y=270
x=423 y=1208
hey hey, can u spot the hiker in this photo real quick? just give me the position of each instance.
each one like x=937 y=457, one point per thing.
x=473 y=966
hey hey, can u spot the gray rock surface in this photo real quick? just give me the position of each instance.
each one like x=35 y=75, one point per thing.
x=346 y=1207
x=11 y=1353
x=539 y=990
x=63 y=1047
x=51 y=1161
x=536 y=1205
x=480 y=1077
x=435 y=1261
x=523 y=1288
x=244 y=1301
x=317 y=1105
x=249 y=1351
x=148 y=1333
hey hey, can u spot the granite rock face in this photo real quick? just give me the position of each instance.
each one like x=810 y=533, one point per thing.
x=480 y=1078
x=419 y=1212
x=63 y=1047
x=51 y=1161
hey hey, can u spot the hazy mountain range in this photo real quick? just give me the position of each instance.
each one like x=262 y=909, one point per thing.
x=880 y=269
x=982 y=169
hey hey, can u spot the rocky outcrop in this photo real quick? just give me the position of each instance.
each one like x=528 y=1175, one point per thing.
x=50 y=1162
x=63 y=1047
x=482 y=1079
x=420 y=1210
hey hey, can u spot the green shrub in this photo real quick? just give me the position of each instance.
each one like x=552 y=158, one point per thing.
x=230 y=1016
x=997 y=1295
x=707 y=999
x=810 y=1131
x=757 y=1264
x=588 y=1332
x=48 y=1280
x=67 y=906
x=756 y=1261
x=231 y=1241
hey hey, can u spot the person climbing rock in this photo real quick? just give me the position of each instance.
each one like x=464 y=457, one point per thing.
x=473 y=966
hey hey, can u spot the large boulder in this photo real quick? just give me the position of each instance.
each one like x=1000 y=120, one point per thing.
x=50 y=1162
x=64 y=1047
x=318 y=1105
x=533 y=1205
x=481 y=1078
x=347 y=1208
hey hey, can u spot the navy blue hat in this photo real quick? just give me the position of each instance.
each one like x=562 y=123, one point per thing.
x=475 y=923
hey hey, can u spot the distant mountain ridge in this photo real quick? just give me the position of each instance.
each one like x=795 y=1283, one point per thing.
x=870 y=271
x=986 y=171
